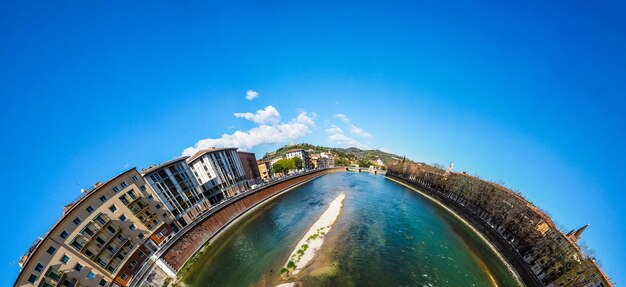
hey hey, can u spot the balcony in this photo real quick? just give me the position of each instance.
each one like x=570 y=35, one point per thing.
x=102 y=247
x=139 y=206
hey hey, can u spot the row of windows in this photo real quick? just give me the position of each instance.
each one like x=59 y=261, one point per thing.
x=64 y=260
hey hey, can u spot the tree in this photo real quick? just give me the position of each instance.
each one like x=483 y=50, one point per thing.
x=283 y=166
x=364 y=163
x=297 y=162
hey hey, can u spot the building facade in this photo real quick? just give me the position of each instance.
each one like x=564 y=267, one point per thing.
x=303 y=155
x=177 y=187
x=585 y=274
x=102 y=238
x=219 y=172
x=326 y=160
x=264 y=169
x=250 y=167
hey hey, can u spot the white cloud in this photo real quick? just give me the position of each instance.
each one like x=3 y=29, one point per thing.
x=334 y=130
x=264 y=116
x=359 y=131
x=353 y=129
x=335 y=135
x=251 y=95
x=269 y=131
x=343 y=118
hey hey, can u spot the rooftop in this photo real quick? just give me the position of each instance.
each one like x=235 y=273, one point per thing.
x=208 y=150
x=159 y=166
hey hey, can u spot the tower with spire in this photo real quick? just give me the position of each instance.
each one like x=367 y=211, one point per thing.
x=574 y=235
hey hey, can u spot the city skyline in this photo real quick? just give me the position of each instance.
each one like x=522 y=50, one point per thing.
x=537 y=107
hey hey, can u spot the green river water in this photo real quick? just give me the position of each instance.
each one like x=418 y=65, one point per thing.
x=386 y=235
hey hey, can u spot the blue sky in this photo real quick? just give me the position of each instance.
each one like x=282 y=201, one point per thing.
x=528 y=93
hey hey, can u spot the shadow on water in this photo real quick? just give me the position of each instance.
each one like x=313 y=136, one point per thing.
x=387 y=235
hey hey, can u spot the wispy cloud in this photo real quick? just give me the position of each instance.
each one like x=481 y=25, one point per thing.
x=353 y=128
x=359 y=131
x=343 y=118
x=251 y=95
x=336 y=136
x=270 y=130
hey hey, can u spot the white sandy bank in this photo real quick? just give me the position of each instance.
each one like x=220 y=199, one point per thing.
x=312 y=241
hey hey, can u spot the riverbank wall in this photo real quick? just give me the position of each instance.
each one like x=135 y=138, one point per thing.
x=172 y=257
x=512 y=257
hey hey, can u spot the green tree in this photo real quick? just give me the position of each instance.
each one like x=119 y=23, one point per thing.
x=283 y=166
x=364 y=163
x=297 y=162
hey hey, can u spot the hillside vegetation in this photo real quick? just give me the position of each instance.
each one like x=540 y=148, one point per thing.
x=343 y=156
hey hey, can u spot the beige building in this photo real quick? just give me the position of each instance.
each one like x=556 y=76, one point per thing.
x=102 y=238
x=585 y=274
x=264 y=169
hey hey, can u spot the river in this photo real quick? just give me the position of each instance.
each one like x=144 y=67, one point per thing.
x=386 y=235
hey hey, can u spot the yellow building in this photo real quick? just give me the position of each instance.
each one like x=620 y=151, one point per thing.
x=102 y=238
x=585 y=274
x=263 y=170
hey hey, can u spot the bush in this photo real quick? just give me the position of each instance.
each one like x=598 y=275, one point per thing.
x=291 y=265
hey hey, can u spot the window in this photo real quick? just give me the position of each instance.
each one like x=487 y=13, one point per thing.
x=160 y=235
x=64 y=234
x=141 y=236
x=103 y=198
x=78 y=267
x=90 y=209
x=51 y=250
x=39 y=267
x=135 y=178
x=116 y=189
x=91 y=275
x=142 y=188
x=65 y=259
x=123 y=217
x=131 y=227
x=103 y=282
x=124 y=276
x=164 y=215
x=113 y=208
x=111 y=229
x=32 y=278
x=77 y=220
x=158 y=206
x=124 y=184
x=141 y=254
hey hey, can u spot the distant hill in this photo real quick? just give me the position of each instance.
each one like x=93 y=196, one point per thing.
x=351 y=154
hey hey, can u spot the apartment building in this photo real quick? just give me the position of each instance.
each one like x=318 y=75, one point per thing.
x=176 y=186
x=219 y=172
x=102 y=238
x=585 y=274
x=250 y=167
x=326 y=160
x=302 y=154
